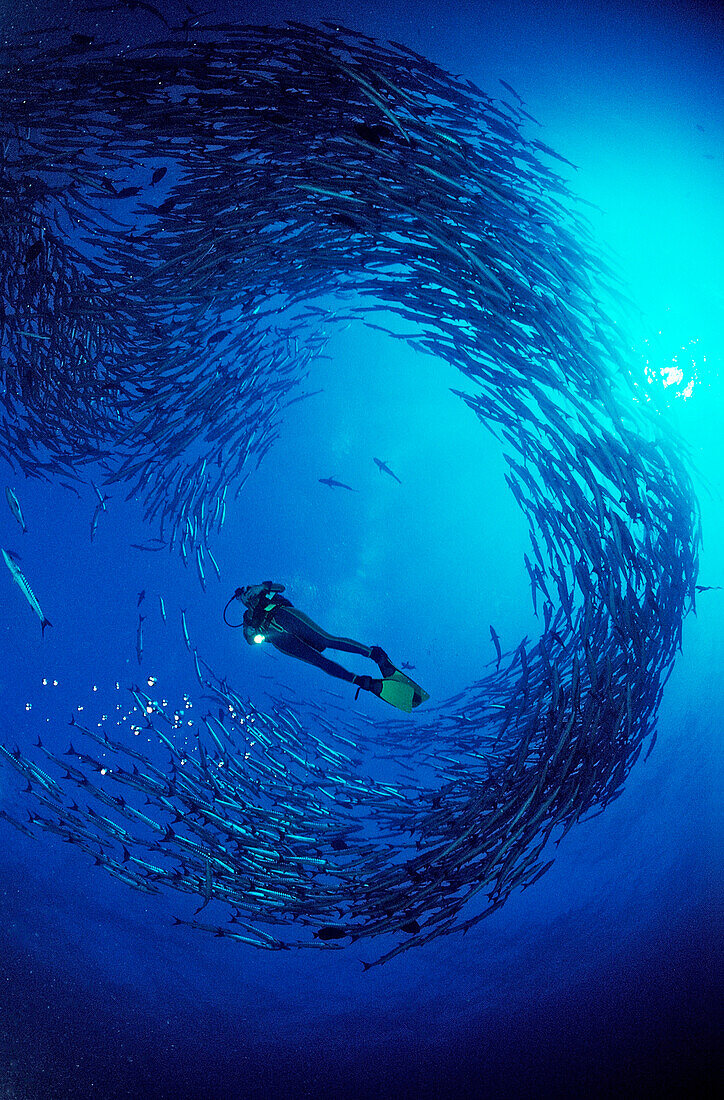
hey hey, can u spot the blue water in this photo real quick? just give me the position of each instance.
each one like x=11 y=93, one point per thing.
x=603 y=978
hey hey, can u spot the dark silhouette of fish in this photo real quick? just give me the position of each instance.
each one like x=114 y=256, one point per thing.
x=14 y=505
x=334 y=484
x=331 y=932
x=496 y=642
x=384 y=468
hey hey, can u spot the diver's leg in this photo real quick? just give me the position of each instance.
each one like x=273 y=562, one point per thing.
x=295 y=647
x=301 y=626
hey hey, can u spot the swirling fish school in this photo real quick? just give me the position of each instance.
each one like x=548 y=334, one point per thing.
x=158 y=321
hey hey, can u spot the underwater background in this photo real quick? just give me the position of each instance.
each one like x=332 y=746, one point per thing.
x=603 y=978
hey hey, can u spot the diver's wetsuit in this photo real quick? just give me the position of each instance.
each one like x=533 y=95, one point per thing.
x=273 y=618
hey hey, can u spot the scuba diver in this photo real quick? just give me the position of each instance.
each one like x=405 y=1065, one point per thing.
x=270 y=617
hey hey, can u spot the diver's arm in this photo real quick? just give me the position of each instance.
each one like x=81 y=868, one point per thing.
x=250 y=632
x=251 y=593
x=255 y=591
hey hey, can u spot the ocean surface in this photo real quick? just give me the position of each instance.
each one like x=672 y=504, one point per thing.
x=603 y=979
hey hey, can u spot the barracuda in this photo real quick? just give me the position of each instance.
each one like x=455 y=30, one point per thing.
x=20 y=579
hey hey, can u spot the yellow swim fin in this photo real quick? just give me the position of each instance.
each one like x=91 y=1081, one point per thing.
x=402 y=692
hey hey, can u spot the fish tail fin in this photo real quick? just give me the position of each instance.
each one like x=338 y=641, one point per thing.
x=44 y=623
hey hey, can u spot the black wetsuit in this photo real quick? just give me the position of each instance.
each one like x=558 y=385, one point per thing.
x=291 y=631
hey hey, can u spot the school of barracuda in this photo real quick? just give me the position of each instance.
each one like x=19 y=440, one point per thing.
x=182 y=227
